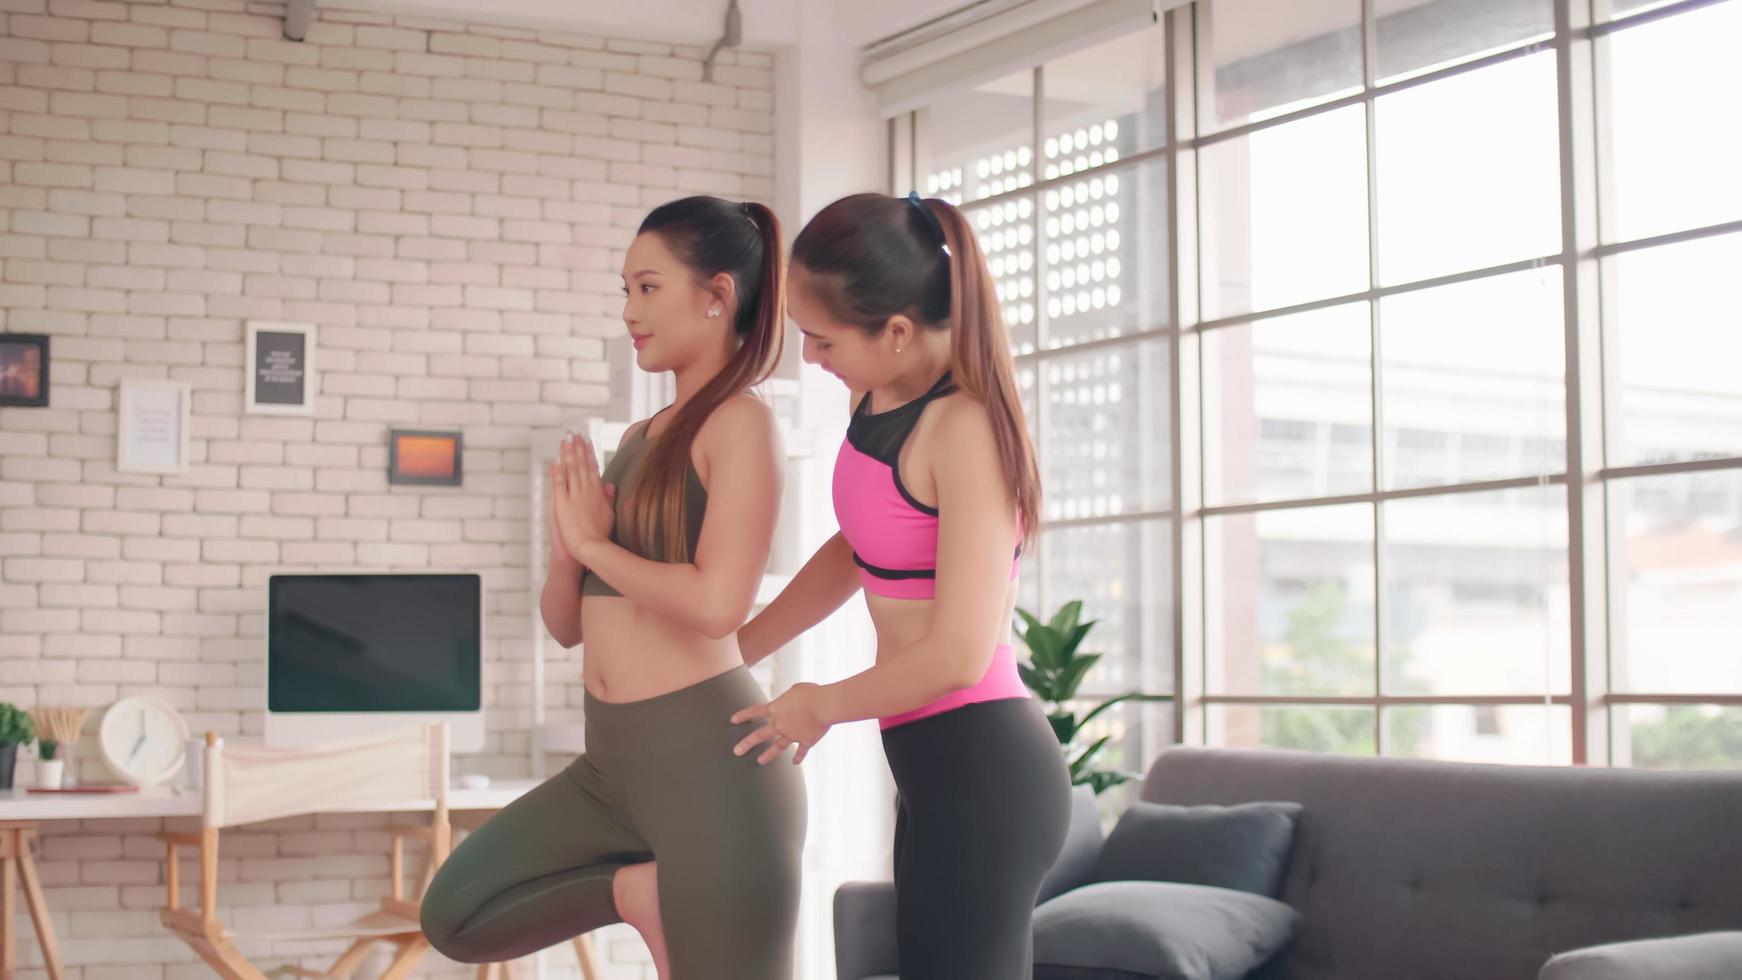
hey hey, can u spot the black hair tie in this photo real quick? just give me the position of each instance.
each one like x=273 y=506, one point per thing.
x=931 y=219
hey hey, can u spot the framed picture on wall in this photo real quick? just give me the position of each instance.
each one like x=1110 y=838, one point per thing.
x=152 y=436
x=282 y=379
x=23 y=370
x=430 y=459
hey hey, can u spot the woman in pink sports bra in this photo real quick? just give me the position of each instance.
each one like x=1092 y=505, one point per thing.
x=935 y=488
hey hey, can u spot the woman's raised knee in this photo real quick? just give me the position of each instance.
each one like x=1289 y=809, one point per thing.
x=441 y=922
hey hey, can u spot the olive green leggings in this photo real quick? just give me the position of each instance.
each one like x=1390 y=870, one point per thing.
x=658 y=782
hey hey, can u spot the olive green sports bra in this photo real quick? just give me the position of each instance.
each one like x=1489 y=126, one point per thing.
x=625 y=465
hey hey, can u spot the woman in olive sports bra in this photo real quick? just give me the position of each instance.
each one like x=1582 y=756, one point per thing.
x=655 y=563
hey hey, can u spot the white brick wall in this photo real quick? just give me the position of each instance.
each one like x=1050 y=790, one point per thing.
x=448 y=203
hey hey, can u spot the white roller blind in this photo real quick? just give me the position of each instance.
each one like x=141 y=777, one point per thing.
x=989 y=39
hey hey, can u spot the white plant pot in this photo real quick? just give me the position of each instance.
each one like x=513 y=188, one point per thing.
x=49 y=773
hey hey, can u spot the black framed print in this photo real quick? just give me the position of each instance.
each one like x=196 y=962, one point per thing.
x=280 y=361
x=24 y=370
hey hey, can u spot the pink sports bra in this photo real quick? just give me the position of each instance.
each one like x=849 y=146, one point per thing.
x=894 y=537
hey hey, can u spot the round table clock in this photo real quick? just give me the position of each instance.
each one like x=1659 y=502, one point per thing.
x=143 y=741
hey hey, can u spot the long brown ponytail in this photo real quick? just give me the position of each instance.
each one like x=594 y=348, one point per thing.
x=710 y=236
x=871 y=257
x=980 y=350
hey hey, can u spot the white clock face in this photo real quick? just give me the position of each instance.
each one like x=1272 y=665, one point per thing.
x=144 y=741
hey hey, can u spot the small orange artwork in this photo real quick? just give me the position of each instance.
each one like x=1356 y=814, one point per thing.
x=426 y=456
x=431 y=458
x=23 y=374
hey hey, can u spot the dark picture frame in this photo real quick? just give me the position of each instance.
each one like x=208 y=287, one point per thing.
x=282 y=376
x=421 y=457
x=24 y=370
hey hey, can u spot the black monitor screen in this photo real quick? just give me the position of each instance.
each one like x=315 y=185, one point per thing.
x=373 y=643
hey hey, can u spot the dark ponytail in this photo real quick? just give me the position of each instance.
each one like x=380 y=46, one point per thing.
x=870 y=257
x=711 y=236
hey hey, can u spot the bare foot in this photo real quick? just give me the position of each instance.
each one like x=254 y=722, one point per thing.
x=635 y=890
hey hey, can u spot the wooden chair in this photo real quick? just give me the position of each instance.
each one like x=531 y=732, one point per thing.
x=248 y=784
x=584 y=953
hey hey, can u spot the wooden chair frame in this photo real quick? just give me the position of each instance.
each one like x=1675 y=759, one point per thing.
x=201 y=929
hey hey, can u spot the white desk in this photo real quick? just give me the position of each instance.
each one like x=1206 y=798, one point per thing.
x=20 y=804
x=21 y=810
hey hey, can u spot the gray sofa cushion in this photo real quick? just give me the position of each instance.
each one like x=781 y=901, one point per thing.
x=1444 y=871
x=1704 y=956
x=1243 y=847
x=1119 y=930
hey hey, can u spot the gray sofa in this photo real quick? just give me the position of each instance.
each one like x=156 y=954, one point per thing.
x=1407 y=870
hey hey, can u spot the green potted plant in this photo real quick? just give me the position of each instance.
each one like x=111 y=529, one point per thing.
x=1054 y=672
x=56 y=731
x=15 y=730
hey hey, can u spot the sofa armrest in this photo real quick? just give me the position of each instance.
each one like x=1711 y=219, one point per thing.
x=1701 y=956
x=865 y=930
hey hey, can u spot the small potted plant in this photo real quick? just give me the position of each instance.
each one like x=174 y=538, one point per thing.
x=56 y=731
x=15 y=730
x=1054 y=671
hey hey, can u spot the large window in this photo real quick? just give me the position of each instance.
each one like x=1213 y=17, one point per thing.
x=1671 y=242
x=1437 y=412
x=1059 y=169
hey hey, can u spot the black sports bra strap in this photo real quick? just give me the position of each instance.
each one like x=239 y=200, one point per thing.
x=940 y=388
x=880 y=435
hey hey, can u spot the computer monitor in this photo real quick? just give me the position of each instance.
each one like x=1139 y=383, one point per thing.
x=358 y=653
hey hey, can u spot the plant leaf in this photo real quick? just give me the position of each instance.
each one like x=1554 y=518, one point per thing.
x=1042 y=680
x=1102 y=780
x=1064 y=726
x=1048 y=653
x=1068 y=644
x=1071 y=677
x=1066 y=618
x=1032 y=679
x=1127 y=696
x=1086 y=758
x=1043 y=645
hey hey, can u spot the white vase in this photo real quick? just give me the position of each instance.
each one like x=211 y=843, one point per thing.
x=49 y=773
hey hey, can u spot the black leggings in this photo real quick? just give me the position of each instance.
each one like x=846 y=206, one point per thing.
x=985 y=803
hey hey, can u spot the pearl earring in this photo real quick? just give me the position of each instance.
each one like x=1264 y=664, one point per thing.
x=714 y=312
